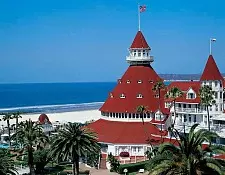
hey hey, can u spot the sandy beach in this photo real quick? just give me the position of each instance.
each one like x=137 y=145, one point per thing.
x=75 y=116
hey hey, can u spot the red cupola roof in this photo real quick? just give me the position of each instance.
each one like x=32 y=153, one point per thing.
x=139 y=42
x=211 y=71
x=134 y=89
x=43 y=119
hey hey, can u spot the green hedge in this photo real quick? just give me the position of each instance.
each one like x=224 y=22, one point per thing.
x=133 y=167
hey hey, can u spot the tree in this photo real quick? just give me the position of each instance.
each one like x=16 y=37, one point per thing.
x=207 y=99
x=188 y=158
x=141 y=109
x=73 y=142
x=6 y=163
x=173 y=94
x=41 y=159
x=7 y=117
x=17 y=115
x=158 y=86
x=30 y=134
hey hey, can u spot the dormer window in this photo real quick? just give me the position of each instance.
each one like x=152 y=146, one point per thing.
x=156 y=96
x=119 y=81
x=139 y=96
x=139 y=81
x=150 y=81
x=128 y=81
x=190 y=96
x=122 y=96
x=111 y=95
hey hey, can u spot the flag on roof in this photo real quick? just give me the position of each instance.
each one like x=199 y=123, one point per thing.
x=142 y=8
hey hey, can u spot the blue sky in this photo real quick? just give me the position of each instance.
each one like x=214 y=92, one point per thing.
x=87 y=40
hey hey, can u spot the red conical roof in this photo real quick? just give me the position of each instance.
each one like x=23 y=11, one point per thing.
x=211 y=71
x=136 y=80
x=139 y=41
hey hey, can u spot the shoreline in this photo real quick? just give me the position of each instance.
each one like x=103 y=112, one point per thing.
x=58 y=108
x=62 y=117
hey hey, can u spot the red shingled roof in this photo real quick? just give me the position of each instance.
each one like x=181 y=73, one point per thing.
x=184 y=86
x=211 y=71
x=139 y=41
x=147 y=76
x=124 y=132
x=221 y=156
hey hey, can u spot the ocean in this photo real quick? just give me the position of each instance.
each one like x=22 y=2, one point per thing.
x=53 y=97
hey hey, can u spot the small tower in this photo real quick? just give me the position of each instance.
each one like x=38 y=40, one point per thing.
x=212 y=77
x=139 y=51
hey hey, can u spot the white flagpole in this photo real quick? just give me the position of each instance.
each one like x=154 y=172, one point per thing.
x=210 y=45
x=139 y=18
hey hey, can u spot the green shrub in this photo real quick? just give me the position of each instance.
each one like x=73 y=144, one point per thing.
x=115 y=164
x=133 y=167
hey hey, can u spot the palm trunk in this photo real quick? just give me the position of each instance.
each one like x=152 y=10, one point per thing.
x=31 y=160
x=74 y=168
x=160 y=117
x=175 y=115
x=77 y=165
x=16 y=130
x=207 y=108
x=8 y=125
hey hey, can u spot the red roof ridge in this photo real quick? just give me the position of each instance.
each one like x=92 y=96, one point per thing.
x=139 y=41
x=211 y=71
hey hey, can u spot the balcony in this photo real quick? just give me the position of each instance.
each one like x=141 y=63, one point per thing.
x=189 y=110
x=139 y=58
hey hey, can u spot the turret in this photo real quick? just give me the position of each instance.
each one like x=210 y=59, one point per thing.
x=139 y=51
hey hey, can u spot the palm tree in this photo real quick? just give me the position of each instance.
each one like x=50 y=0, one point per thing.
x=30 y=134
x=207 y=99
x=141 y=109
x=188 y=158
x=72 y=142
x=7 y=117
x=17 y=115
x=6 y=163
x=173 y=94
x=157 y=87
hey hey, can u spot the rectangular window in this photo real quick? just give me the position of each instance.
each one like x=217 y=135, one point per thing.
x=221 y=107
x=184 y=105
x=221 y=95
x=210 y=84
x=210 y=108
x=216 y=95
x=216 y=83
x=216 y=106
x=139 y=53
x=179 y=105
x=189 y=118
x=189 y=105
x=185 y=118
x=194 y=118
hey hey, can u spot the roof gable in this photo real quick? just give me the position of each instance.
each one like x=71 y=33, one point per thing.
x=139 y=41
x=211 y=71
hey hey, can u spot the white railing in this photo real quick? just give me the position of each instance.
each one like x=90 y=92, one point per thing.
x=189 y=110
x=139 y=58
